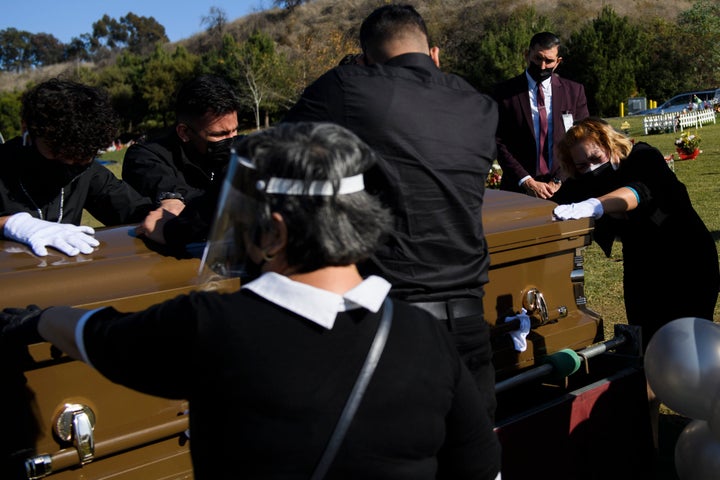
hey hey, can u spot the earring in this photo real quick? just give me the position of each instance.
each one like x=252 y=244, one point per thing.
x=267 y=257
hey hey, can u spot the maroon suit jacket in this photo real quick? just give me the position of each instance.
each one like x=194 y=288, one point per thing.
x=516 y=151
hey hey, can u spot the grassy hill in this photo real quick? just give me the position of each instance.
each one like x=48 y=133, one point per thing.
x=339 y=21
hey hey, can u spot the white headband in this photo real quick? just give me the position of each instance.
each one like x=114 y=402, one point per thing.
x=317 y=188
x=291 y=186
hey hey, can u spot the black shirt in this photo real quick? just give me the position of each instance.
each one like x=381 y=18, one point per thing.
x=436 y=137
x=27 y=186
x=266 y=387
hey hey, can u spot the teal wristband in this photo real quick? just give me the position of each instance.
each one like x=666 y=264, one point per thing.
x=637 y=197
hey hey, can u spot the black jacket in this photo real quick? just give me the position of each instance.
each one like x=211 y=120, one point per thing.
x=665 y=244
x=27 y=187
x=163 y=165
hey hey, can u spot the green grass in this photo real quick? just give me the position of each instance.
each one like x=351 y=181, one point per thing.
x=115 y=166
x=116 y=157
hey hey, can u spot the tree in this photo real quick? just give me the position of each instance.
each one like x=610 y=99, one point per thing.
x=260 y=73
x=162 y=74
x=656 y=77
x=700 y=29
x=10 y=106
x=136 y=33
x=288 y=4
x=223 y=62
x=144 y=33
x=79 y=48
x=45 y=49
x=262 y=70
x=14 y=49
x=108 y=35
x=328 y=47
x=123 y=80
x=20 y=49
x=604 y=56
x=142 y=88
x=215 y=21
x=491 y=48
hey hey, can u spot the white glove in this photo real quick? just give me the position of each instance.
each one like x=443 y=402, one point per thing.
x=585 y=209
x=38 y=234
x=519 y=336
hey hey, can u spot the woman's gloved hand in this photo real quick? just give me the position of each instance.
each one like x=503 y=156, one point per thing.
x=585 y=209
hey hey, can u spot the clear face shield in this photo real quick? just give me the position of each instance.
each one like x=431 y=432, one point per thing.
x=232 y=249
x=225 y=254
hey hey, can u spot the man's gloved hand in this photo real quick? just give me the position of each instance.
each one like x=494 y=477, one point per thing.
x=585 y=209
x=20 y=325
x=39 y=234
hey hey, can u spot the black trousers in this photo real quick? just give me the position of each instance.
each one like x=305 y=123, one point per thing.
x=465 y=320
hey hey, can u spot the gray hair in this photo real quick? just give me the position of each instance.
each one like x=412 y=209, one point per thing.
x=328 y=230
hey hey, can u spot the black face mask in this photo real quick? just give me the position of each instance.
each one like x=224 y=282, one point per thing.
x=43 y=176
x=218 y=152
x=601 y=170
x=539 y=74
x=214 y=160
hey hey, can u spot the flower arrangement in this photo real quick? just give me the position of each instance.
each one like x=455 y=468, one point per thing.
x=687 y=143
x=494 y=177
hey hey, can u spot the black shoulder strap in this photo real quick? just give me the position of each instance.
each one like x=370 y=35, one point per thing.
x=358 y=390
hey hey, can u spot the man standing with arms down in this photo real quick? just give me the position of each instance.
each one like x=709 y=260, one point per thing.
x=533 y=120
x=436 y=137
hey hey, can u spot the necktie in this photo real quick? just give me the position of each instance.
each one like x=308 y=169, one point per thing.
x=542 y=113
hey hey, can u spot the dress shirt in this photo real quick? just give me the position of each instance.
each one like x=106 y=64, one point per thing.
x=532 y=92
x=435 y=136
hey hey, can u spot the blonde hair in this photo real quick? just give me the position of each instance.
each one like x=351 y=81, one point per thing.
x=598 y=131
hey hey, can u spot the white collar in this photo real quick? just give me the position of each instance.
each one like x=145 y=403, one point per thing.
x=532 y=84
x=318 y=305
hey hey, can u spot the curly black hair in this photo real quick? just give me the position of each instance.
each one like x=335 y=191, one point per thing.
x=74 y=120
